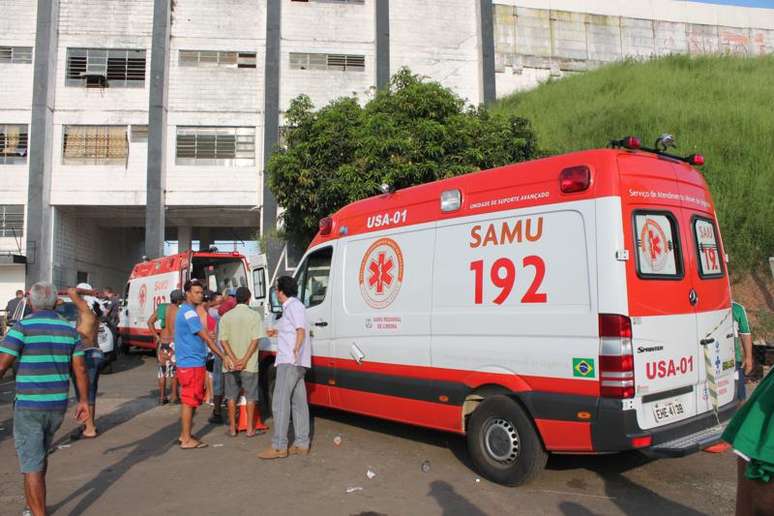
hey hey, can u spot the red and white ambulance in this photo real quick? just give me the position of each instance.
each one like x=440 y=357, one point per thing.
x=573 y=304
x=151 y=282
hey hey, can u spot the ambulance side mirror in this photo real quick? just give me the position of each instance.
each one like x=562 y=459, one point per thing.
x=276 y=306
x=259 y=283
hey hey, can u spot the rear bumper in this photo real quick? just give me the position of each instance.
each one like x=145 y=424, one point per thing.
x=615 y=428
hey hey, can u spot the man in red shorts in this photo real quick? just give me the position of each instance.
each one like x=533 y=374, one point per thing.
x=191 y=343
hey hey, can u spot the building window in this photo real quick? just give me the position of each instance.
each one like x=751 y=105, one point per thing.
x=139 y=133
x=221 y=58
x=81 y=277
x=229 y=146
x=11 y=220
x=13 y=144
x=103 y=68
x=16 y=55
x=341 y=62
x=95 y=145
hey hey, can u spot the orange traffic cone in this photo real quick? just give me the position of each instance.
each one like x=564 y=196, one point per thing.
x=242 y=422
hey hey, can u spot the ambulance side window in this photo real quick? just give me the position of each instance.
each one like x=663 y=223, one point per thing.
x=657 y=245
x=706 y=238
x=313 y=277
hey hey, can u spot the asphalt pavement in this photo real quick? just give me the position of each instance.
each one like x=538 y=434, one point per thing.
x=134 y=467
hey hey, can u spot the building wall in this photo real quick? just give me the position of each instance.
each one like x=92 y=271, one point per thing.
x=440 y=43
x=339 y=28
x=534 y=43
x=11 y=280
x=17 y=28
x=121 y=24
x=216 y=96
x=106 y=254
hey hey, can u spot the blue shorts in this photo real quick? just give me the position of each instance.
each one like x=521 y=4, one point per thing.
x=94 y=359
x=33 y=433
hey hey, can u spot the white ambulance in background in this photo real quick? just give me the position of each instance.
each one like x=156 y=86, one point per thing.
x=573 y=304
x=151 y=282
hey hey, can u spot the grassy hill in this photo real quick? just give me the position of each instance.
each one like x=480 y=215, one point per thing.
x=721 y=107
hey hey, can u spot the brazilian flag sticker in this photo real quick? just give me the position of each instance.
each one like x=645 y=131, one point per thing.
x=583 y=367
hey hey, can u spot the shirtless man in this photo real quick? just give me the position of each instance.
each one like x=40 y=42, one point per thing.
x=165 y=346
x=87 y=328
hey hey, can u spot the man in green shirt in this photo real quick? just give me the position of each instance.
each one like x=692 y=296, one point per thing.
x=751 y=434
x=240 y=330
x=742 y=348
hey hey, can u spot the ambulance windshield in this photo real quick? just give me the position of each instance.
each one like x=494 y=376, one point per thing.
x=219 y=273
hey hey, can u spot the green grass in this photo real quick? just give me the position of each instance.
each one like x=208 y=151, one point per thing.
x=721 y=107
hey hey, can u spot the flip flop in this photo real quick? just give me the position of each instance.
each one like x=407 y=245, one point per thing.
x=198 y=445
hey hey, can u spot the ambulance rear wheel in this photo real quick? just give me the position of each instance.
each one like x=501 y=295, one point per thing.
x=503 y=443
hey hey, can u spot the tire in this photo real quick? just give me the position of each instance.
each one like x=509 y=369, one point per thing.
x=269 y=374
x=123 y=348
x=503 y=443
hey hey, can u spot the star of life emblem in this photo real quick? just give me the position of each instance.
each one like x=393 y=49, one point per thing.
x=381 y=273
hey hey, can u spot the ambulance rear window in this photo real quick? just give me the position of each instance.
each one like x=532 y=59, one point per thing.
x=657 y=245
x=710 y=262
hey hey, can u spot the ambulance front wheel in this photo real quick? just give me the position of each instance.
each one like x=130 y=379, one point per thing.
x=503 y=443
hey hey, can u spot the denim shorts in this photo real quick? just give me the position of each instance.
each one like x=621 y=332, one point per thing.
x=33 y=433
x=94 y=359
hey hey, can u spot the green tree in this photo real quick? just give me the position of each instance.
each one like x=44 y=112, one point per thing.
x=410 y=133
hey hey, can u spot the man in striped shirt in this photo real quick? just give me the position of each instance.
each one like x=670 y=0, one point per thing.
x=46 y=348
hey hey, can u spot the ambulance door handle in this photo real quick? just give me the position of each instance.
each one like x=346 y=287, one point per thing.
x=706 y=342
x=356 y=353
x=321 y=324
x=729 y=335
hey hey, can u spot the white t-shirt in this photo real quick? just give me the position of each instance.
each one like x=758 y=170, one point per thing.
x=293 y=318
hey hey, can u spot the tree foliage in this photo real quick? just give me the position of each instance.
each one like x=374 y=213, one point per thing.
x=410 y=133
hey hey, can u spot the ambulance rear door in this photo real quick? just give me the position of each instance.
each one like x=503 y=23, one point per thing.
x=660 y=291
x=712 y=299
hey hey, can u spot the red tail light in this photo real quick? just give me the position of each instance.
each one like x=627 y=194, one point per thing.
x=631 y=142
x=696 y=160
x=326 y=225
x=616 y=358
x=613 y=325
x=575 y=179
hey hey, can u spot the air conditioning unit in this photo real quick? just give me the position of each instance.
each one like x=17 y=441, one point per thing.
x=94 y=79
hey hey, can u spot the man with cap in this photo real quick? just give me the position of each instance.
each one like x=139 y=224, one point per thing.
x=165 y=346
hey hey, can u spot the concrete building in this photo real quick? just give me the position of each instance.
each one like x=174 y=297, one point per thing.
x=125 y=123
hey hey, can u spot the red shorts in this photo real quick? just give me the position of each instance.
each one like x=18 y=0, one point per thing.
x=191 y=380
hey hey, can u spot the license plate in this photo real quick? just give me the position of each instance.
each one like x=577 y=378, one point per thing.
x=666 y=410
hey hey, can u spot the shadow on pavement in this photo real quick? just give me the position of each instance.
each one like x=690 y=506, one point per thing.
x=154 y=445
x=123 y=413
x=451 y=502
x=126 y=362
x=630 y=497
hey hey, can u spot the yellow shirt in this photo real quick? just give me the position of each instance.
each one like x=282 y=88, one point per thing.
x=240 y=326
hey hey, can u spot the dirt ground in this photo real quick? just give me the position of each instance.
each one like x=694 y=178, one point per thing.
x=134 y=467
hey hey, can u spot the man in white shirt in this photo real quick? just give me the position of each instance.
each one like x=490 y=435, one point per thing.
x=294 y=357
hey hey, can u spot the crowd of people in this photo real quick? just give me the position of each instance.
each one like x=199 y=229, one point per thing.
x=207 y=348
